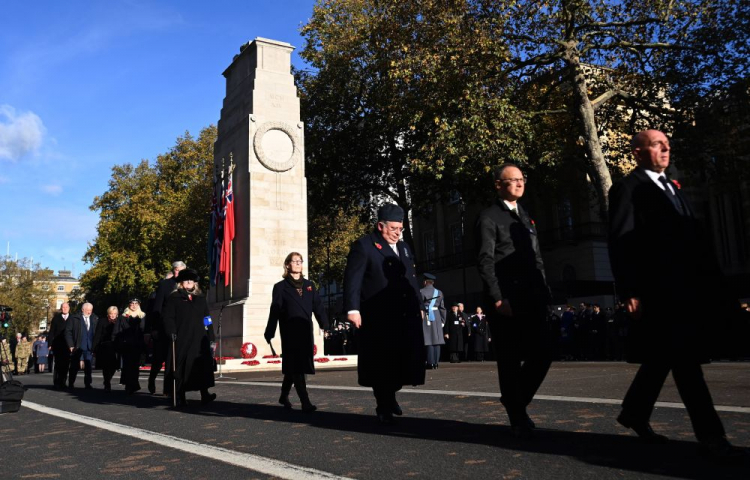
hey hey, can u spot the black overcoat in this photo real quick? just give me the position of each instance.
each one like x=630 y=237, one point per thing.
x=479 y=333
x=56 y=335
x=183 y=315
x=383 y=288
x=455 y=331
x=664 y=258
x=104 y=338
x=293 y=314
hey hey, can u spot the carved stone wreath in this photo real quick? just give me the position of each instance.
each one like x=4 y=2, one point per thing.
x=269 y=163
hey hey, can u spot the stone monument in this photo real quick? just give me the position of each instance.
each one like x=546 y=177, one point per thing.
x=260 y=130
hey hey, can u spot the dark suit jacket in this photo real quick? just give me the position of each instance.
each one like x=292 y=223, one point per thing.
x=57 y=334
x=74 y=328
x=665 y=259
x=294 y=313
x=383 y=287
x=509 y=261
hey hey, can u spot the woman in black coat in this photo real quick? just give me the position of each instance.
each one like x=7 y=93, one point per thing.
x=130 y=344
x=293 y=302
x=453 y=332
x=186 y=315
x=106 y=353
x=479 y=334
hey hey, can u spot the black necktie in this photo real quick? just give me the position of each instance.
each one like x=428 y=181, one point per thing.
x=670 y=193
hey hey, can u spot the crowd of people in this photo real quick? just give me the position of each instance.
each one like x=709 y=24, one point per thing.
x=652 y=232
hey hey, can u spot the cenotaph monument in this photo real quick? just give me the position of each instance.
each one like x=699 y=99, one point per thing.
x=261 y=134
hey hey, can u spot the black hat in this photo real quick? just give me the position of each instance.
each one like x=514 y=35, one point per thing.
x=429 y=276
x=134 y=300
x=188 y=274
x=390 y=212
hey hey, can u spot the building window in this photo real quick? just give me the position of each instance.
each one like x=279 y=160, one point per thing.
x=428 y=241
x=457 y=237
x=61 y=288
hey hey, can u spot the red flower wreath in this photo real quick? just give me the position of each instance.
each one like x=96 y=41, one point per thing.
x=321 y=360
x=270 y=356
x=252 y=363
x=248 y=350
x=315 y=350
x=340 y=359
x=274 y=361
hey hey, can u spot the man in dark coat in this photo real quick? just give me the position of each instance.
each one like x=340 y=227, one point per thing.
x=454 y=334
x=381 y=298
x=186 y=316
x=79 y=336
x=159 y=339
x=59 y=347
x=433 y=320
x=662 y=263
x=511 y=268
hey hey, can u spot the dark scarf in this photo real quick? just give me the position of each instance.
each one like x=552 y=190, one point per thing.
x=297 y=284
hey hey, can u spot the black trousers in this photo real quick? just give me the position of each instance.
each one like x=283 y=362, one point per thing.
x=62 y=368
x=644 y=391
x=385 y=398
x=523 y=355
x=300 y=385
x=75 y=366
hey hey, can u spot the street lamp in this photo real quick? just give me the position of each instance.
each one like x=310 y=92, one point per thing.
x=328 y=273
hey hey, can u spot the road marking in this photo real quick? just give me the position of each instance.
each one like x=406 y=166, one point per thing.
x=553 y=398
x=274 y=468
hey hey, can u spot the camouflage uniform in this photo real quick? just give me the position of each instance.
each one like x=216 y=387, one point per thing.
x=23 y=352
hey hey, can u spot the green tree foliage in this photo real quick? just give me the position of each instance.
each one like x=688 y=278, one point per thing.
x=648 y=55
x=411 y=99
x=403 y=103
x=150 y=216
x=27 y=289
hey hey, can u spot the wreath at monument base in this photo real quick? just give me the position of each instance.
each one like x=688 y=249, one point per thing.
x=248 y=350
x=251 y=363
x=322 y=360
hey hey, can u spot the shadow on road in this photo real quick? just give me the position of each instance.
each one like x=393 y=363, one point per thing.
x=624 y=452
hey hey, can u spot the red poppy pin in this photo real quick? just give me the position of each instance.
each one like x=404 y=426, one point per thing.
x=378 y=246
x=532 y=221
x=190 y=297
x=309 y=288
x=677 y=184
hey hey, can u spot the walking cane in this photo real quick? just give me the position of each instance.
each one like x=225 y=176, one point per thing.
x=273 y=352
x=174 y=371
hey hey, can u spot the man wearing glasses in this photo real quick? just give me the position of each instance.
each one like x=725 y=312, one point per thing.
x=511 y=268
x=381 y=298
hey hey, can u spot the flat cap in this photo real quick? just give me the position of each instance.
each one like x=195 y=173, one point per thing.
x=390 y=212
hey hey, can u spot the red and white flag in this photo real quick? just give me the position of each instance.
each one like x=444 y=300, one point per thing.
x=226 y=246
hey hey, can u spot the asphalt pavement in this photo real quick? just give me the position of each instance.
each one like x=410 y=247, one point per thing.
x=453 y=427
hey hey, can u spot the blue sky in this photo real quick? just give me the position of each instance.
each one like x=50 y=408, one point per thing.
x=86 y=85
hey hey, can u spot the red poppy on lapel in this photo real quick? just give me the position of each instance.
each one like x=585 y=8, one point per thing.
x=190 y=297
x=378 y=246
x=309 y=288
x=677 y=184
x=532 y=221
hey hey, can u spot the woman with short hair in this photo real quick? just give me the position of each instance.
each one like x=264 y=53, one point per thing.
x=293 y=301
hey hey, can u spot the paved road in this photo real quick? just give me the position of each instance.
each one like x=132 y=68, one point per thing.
x=453 y=427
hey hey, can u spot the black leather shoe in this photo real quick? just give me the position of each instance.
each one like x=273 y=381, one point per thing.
x=206 y=399
x=308 y=407
x=386 y=419
x=643 y=430
x=151 y=386
x=719 y=449
x=284 y=400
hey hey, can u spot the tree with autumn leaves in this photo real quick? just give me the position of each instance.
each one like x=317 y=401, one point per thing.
x=410 y=100
x=151 y=215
